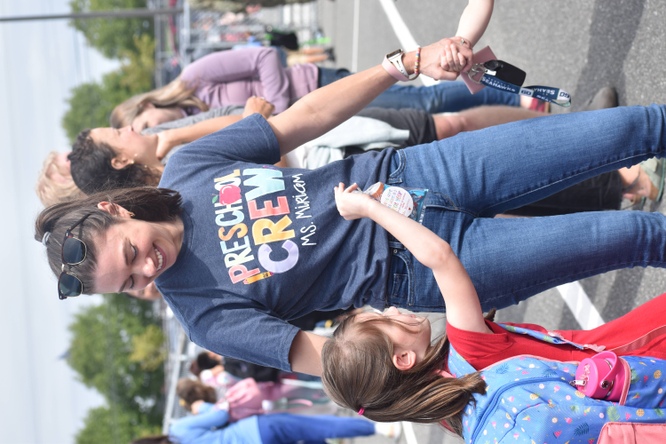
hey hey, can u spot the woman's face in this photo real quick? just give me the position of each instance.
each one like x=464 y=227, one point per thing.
x=132 y=253
x=406 y=331
x=151 y=117
x=129 y=146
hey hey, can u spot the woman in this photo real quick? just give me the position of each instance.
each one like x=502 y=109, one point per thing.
x=153 y=145
x=211 y=425
x=100 y=162
x=383 y=366
x=231 y=77
x=108 y=158
x=252 y=246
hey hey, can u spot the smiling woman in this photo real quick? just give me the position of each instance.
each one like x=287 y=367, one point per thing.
x=109 y=158
x=135 y=252
x=111 y=153
x=129 y=238
x=129 y=146
x=248 y=262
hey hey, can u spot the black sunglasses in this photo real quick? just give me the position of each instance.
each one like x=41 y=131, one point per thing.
x=73 y=253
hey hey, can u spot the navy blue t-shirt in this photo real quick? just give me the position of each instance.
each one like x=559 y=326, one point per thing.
x=263 y=245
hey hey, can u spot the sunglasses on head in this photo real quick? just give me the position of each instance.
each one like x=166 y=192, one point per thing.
x=73 y=253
